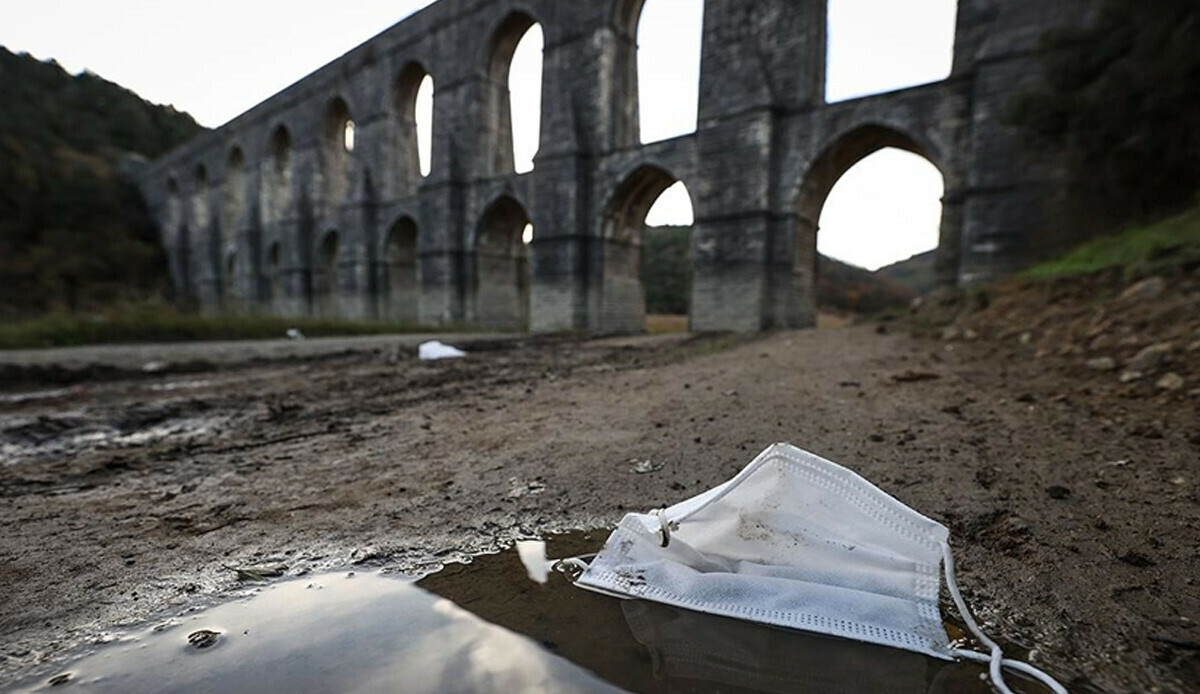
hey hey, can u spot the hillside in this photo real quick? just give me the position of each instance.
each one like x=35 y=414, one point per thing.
x=917 y=273
x=841 y=288
x=73 y=235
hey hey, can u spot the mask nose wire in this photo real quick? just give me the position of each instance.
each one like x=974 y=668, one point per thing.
x=996 y=660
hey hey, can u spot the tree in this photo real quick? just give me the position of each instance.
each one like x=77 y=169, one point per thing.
x=1122 y=101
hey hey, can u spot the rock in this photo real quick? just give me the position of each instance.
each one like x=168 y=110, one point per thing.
x=1135 y=558
x=951 y=333
x=1150 y=359
x=1059 y=492
x=204 y=639
x=1026 y=338
x=970 y=335
x=1145 y=290
x=1171 y=382
x=1102 y=364
x=917 y=304
x=1131 y=376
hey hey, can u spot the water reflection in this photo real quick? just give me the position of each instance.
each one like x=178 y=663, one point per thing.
x=503 y=623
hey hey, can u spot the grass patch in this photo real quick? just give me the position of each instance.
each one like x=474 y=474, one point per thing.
x=1135 y=250
x=666 y=325
x=158 y=323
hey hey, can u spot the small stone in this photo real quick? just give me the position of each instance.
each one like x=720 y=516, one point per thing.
x=1151 y=358
x=1026 y=338
x=1171 y=382
x=1131 y=376
x=1059 y=492
x=1145 y=290
x=203 y=639
x=1135 y=558
x=1102 y=364
x=951 y=333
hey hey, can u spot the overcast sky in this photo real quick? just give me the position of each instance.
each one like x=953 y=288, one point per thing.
x=217 y=59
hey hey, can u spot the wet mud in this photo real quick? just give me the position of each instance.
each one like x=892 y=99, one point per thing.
x=506 y=622
x=1073 y=510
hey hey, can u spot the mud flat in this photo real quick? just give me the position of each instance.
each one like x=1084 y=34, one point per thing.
x=1074 y=513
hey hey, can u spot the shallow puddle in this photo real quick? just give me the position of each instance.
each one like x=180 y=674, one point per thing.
x=503 y=623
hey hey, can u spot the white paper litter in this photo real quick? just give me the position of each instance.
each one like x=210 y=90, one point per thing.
x=436 y=351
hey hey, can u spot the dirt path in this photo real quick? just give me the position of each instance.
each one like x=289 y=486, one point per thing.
x=1074 y=515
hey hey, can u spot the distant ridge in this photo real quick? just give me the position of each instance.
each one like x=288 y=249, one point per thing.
x=917 y=272
x=73 y=235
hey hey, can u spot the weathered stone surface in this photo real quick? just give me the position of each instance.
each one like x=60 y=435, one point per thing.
x=270 y=213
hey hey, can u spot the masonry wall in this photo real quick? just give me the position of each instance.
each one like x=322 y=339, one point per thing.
x=267 y=214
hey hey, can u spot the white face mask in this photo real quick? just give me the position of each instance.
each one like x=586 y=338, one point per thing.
x=799 y=542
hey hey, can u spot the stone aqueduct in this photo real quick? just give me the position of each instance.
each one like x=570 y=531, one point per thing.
x=271 y=214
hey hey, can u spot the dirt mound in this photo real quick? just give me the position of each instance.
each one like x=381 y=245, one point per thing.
x=1141 y=336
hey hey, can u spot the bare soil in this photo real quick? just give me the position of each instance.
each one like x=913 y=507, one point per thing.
x=1072 y=503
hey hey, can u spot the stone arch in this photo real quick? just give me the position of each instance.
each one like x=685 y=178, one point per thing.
x=401 y=279
x=410 y=168
x=843 y=153
x=338 y=142
x=326 y=275
x=626 y=72
x=622 y=296
x=277 y=175
x=498 y=127
x=233 y=193
x=502 y=272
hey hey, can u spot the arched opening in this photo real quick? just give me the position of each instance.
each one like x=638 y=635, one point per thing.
x=327 y=280
x=877 y=46
x=870 y=200
x=514 y=94
x=274 y=274
x=669 y=40
x=647 y=254
x=277 y=183
x=200 y=198
x=401 y=281
x=413 y=108
x=502 y=272
x=337 y=150
x=233 y=198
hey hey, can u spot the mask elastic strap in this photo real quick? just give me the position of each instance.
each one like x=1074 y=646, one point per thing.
x=995 y=660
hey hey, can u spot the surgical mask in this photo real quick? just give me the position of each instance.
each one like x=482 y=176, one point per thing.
x=799 y=542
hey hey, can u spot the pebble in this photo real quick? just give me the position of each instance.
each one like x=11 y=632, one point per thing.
x=1150 y=359
x=1059 y=492
x=1102 y=364
x=1171 y=382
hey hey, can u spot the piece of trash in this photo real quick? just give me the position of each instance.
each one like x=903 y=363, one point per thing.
x=258 y=573
x=915 y=377
x=533 y=556
x=646 y=467
x=436 y=351
x=294 y=335
x=832 y=554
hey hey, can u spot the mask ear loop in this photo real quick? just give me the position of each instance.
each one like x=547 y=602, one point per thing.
x=996 y=660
